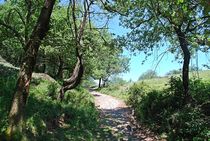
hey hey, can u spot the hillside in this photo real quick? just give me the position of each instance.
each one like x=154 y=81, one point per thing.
x=47 y=118
x=159 y=83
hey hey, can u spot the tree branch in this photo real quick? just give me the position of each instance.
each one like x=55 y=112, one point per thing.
x=14 y=31
x=110 y=9
x=188 y=29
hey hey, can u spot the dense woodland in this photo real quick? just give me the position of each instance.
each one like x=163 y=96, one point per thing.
x=52 y=52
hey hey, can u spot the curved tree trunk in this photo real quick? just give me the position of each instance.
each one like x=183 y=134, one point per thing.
x=75 y=78
x=77 y=74
x=24 y=78
x=185 y=69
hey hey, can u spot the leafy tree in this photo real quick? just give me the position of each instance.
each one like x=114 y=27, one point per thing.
x=17 y=21
x=78 y=32
x=24 y=78
x=95 y=51
x=109 y=61
x=172 y=72
x=156 y=23
x=148 y=75
x=117 y=80
x=57 y=51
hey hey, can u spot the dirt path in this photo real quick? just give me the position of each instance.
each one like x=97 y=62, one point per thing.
x=118 y=122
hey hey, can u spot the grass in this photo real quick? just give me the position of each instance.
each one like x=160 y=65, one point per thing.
x=121 y=90
x=165 y=112
x=116 y=90
x=156 y=83
x=47 y=118
x=204 y=75
x=160 y=83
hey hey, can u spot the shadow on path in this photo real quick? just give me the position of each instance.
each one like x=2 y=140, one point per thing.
x=117 y=121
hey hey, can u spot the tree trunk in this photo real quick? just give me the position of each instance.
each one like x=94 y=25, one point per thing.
x=75 y=78
x=104 y=83
x=24 y=78
x=60 y=68
x=185 y=69
x=99 y=83
x=77 y=74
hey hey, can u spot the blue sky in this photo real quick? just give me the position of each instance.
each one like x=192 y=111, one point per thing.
x=166 y=64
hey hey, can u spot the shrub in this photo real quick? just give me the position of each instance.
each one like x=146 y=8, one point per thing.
x=164 y=110
x=76 y=113
x=200 y=91
x=46 y=118
x=6 y=94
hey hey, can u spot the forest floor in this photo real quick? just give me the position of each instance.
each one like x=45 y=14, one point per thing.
x=117 y=120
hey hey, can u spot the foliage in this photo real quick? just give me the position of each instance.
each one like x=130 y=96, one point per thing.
x=47 y=118
x=6 y=91
x=173 y=72
x=118 y=90
x=148 y=75
x=152 y=24
x=101 y=56
x=17 y=22
x=166 y=24
x=107 y=59
x=165 y=112
x=117 y=80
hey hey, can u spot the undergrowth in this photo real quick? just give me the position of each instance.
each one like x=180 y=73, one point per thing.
x=164 y=111
x=46 y=118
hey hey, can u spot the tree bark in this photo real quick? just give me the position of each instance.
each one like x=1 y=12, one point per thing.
x=185 y=69
x=24 y=78
x=99 y=83
x=43 y=68
x=74 y=80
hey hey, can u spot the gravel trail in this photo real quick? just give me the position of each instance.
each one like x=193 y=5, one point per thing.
x=117 y=120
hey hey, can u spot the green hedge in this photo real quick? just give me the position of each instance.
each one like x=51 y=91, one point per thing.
x=165 y=112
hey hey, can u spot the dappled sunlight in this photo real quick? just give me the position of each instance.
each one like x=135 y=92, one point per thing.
x=117 y=117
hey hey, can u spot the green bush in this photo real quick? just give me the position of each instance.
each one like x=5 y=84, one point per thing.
x=6 y=94
x=75 y=117
x=200 y=90
x=46 y=118
x=164 y=110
